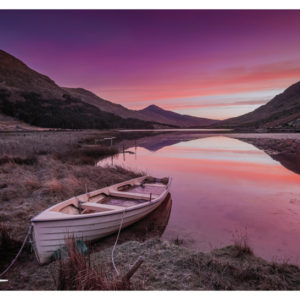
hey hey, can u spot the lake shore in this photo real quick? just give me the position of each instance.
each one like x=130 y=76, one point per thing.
x=284 y=149
x=41 y=169
x=168 y=266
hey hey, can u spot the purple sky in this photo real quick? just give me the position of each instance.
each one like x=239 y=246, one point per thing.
x=214 y=64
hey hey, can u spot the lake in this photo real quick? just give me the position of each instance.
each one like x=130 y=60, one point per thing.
x=223 y=189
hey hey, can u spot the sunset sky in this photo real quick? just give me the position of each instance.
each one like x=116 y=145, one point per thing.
x=214 y=64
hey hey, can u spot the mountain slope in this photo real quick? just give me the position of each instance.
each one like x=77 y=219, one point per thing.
x=282 y=111
x=37 y=100
x=11 y=124
x=158 y=114
x=150 y=113
x=104 y=105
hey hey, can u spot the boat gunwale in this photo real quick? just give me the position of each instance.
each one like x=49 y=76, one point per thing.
x=104 y=213
x=90 y=224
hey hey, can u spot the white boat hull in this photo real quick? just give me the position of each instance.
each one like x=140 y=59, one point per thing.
x=50 y=234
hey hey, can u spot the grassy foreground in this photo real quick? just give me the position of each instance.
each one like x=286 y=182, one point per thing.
x=168 y=266
x=40 y=169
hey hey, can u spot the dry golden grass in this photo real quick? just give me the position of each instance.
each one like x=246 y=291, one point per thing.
x=43 y=169
x=77 y=272
x=53 y=186
x=53 y=168
x=31 y=144
x=32 y=182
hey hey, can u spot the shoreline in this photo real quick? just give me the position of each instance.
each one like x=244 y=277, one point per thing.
x=168 y=266
x=45 y=168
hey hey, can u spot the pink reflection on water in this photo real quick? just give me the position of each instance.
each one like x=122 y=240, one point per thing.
x=221 y=187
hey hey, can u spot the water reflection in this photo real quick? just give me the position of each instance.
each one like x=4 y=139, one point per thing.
x=222 y=186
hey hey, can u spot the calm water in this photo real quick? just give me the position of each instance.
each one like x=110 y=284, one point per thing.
x=222 y=189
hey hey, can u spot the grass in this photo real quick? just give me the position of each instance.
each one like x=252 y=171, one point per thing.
x=171 y=267
x=64 y=166
x=31 y=189
x=241 y=244
x=28 y=144
x=44 y=168
x=178 y=241
x=4 y=159
x=88 y=155
x=77 y=272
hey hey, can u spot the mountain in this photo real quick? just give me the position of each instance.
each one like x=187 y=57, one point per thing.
x=160 y=115
x=283 y=111
x=104 y=105
x=150 y=113
x=34 y=98
x=37 y=100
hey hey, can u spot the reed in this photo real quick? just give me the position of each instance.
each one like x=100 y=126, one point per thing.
x=241 y=245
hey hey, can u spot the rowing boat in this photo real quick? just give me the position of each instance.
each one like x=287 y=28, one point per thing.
x=96 y=214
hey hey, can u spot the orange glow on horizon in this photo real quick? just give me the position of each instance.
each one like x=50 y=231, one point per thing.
x=227 y=82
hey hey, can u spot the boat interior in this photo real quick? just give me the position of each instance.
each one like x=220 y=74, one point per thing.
x=113 y=198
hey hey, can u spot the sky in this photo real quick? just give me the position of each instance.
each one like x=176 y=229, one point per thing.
x=207 y=63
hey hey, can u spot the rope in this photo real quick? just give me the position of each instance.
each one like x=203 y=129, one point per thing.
x=113 y=250
x=20 y=251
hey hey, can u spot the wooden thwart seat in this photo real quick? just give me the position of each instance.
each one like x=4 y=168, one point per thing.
x=127 y=195
x=153 y=184
x=97 y=198
x=99 y=207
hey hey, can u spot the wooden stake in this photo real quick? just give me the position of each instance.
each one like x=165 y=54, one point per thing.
x=134 y=268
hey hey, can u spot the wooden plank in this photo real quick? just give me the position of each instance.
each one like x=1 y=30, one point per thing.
x=131 y=195
x=99 y=207
x=155 y=184
x=96 y=198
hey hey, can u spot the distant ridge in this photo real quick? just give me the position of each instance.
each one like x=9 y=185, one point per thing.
x=150 y=113
x=283 y=111
x=154 y=112
x=35 y=99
